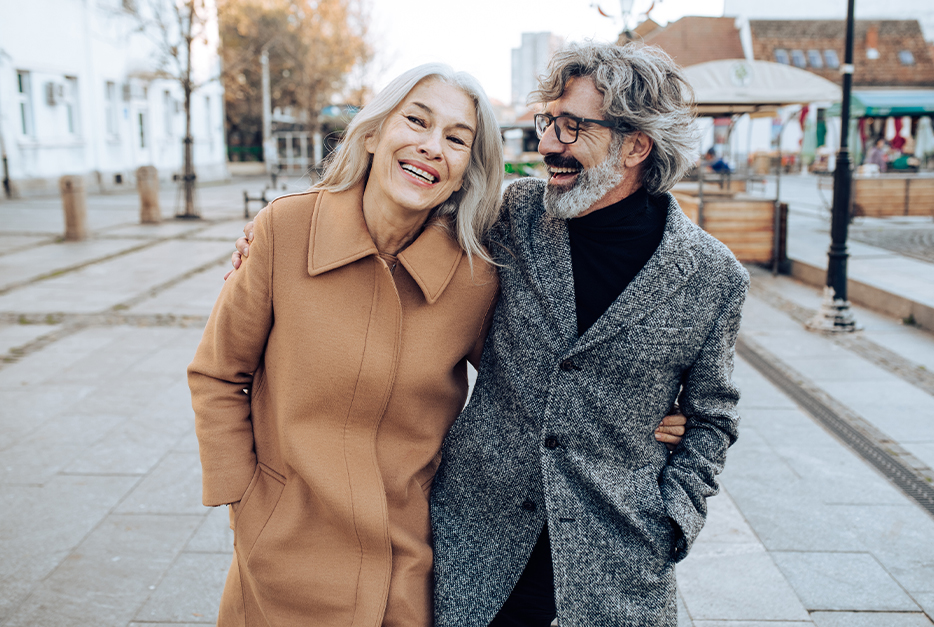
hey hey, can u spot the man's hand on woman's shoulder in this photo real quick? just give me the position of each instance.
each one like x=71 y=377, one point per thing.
x=243 y=248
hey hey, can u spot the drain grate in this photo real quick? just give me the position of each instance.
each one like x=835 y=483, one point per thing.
x=899 y=466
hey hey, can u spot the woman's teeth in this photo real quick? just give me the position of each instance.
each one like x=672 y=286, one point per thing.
x=417 y=172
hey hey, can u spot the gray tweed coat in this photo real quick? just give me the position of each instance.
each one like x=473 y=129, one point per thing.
x=560 y=428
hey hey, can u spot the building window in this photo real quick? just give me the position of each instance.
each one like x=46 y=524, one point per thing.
x=906 y=57
x=168 y=109
x=209 y=131
x=815 y=59
x=831 y=59
x=797 y=59
x=71 y=105
x=142 y=129
x=110 y=107
x=781 y=56
x=24 y=96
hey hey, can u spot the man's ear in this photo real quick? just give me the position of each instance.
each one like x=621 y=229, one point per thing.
x=636 y=149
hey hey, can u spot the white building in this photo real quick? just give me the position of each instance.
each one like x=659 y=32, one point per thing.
x=80 y=93
x=530 y=60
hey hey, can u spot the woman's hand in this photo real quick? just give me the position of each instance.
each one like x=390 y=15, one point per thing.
x=671 y=430
x=243 y=248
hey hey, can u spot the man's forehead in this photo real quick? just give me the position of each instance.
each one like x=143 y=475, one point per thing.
x=581 y=98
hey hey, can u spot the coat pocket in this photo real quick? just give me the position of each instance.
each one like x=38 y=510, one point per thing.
x=256 y=507
x=657 y=527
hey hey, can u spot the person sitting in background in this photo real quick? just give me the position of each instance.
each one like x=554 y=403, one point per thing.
x=877 y=155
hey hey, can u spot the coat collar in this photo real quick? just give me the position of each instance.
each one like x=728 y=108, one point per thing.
x=339 y=237
x=667 y=270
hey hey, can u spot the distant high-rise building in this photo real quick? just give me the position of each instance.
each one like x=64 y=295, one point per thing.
x=530 y=60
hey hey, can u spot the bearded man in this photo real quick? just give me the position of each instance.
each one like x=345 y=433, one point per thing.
x=553 y=498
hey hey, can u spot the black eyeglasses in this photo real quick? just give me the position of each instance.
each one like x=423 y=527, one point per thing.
x=567 y=127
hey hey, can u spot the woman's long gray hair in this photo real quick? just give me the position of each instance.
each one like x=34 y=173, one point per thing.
x=643 y=90
x=471 y=211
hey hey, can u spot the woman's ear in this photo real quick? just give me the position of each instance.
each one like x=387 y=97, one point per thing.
x=370 y=143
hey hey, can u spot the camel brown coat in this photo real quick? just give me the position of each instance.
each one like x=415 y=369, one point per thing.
x=323 y=387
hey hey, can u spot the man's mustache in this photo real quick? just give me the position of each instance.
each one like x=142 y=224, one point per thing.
x=555 y=161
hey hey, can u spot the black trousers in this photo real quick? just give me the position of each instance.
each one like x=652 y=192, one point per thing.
x=532 y=601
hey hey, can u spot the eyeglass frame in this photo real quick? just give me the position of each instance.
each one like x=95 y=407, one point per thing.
x=551 y=120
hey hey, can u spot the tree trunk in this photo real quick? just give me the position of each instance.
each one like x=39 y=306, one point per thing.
x=188 y=172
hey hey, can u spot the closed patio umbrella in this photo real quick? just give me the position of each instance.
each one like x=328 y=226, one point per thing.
x=924 y=142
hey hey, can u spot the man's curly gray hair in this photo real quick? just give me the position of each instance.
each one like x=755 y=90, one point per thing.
x=643 y=90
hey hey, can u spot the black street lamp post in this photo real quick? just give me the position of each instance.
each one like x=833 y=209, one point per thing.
x=835 y=314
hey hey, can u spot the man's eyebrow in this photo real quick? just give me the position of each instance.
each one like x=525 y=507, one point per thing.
x=429 y=111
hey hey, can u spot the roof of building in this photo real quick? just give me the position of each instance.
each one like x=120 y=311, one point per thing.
x=902 y=57
x=694 y=39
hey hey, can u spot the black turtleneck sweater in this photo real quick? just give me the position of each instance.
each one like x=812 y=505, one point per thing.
x=608 y=249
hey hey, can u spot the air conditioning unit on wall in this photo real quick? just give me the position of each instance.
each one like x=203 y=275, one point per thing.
x=54 y=93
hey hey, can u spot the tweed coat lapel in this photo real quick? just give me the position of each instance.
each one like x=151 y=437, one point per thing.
x=551 y=249
x=666 y=271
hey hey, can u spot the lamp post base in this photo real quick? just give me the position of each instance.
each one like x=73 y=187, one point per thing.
x=834 y=315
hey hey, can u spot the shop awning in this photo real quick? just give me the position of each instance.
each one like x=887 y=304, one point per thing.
x=883 y=103
x=735 y=86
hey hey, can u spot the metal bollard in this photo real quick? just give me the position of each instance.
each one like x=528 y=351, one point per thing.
x=147 y=184
x=74 y=202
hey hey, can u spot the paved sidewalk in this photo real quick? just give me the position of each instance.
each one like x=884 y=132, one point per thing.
x=100 y=514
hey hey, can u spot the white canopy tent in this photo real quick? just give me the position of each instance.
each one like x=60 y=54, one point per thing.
x=737 y=86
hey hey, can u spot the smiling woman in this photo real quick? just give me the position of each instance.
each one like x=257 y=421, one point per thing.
x=351 y=325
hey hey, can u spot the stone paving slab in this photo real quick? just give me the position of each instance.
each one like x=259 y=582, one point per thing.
x=743 y=572
x=109 y=575
x=30 y=264
x=16 y=242
x=173 y=487
x=17 y=335
x=102 y=286
x=843 y=582
x=875 y=619
x=169 y=228
x=190 y=590
x=192 y=296
x=897 y=408
x=808 y=241
x=40 y=526
x=900 y=539
x=227 y=230
x=214 y=535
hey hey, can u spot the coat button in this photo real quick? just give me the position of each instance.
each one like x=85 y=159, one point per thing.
x=551 y=443
x=567 y=365
x=528 y=506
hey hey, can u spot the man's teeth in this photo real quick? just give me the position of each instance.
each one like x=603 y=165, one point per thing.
x=564 y=170
x=417 y=172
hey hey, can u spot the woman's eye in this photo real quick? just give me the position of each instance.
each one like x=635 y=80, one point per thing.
x=416 y=120
x=457 y=140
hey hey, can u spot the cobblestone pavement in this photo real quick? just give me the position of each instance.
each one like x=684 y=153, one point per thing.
x=912 y=238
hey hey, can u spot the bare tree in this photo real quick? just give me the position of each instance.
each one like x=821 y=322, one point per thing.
x=176 y=28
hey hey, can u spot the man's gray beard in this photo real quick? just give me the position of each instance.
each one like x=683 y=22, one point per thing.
x=591 y=185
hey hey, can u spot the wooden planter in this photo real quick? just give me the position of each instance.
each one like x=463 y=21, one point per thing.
x=746 y=224
x=893 y=195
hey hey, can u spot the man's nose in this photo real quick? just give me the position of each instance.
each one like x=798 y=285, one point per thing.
x=549 y=144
